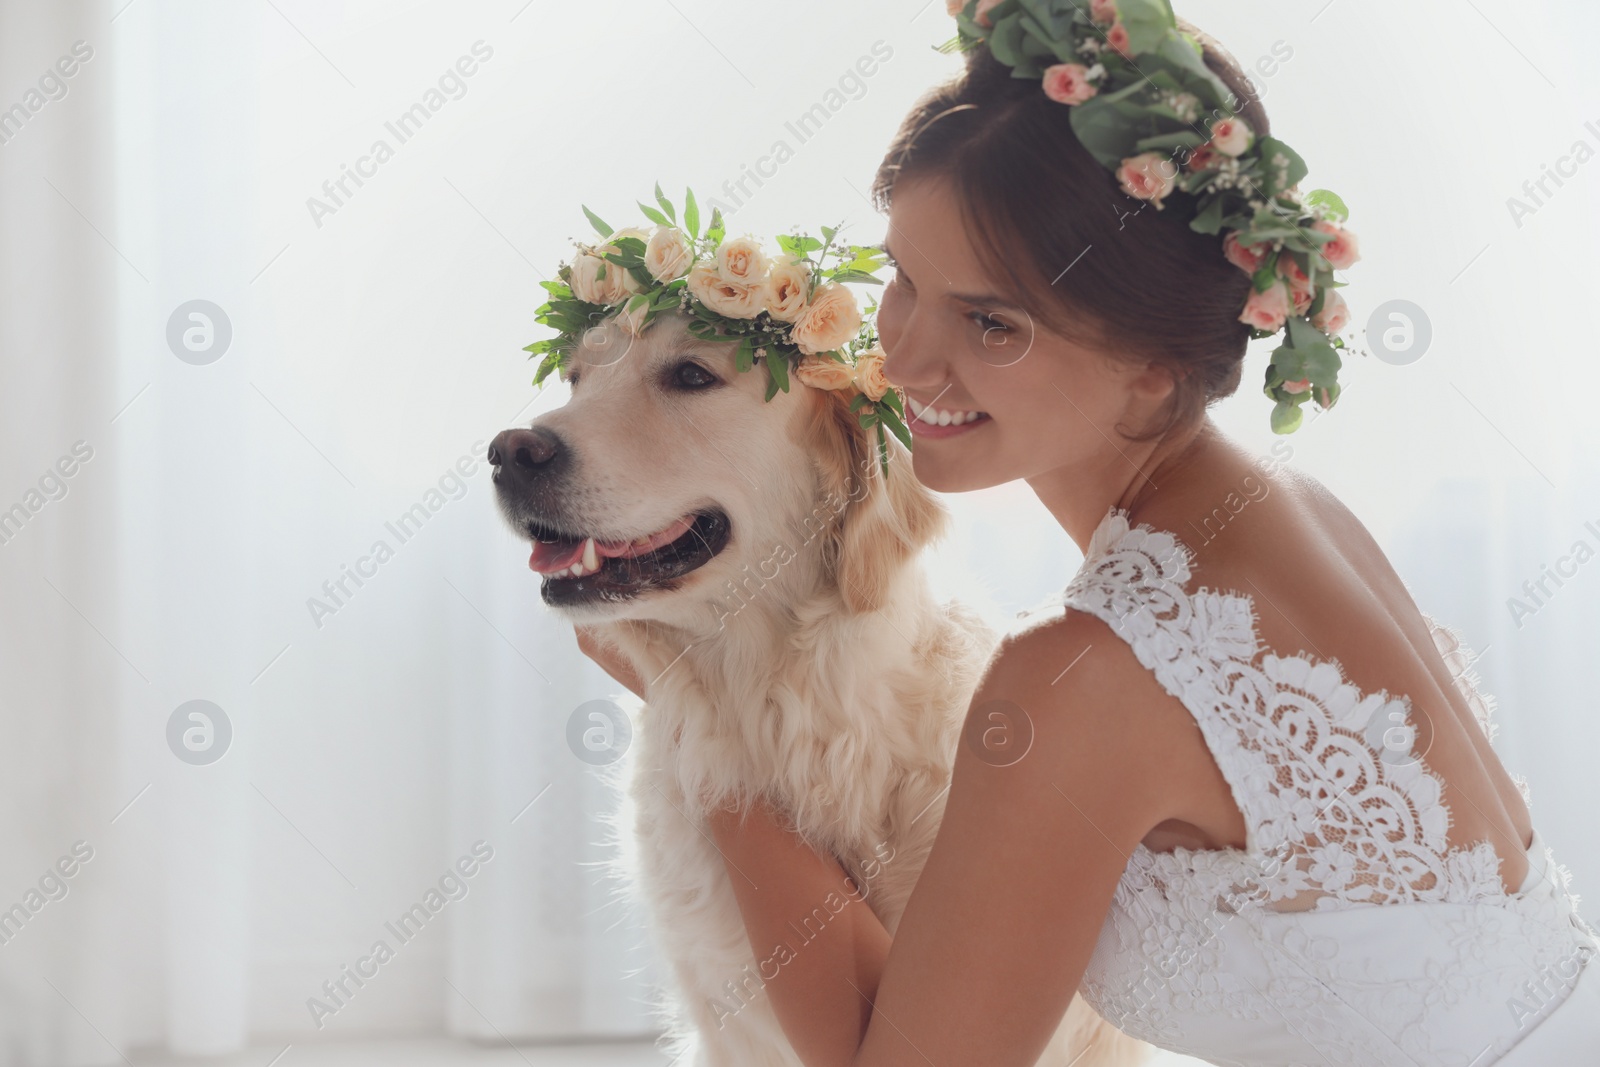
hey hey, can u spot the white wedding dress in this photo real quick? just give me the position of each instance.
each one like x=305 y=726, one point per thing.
x=1413 y=954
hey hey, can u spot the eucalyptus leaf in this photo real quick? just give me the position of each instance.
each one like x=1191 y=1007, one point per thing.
x=1328 y=200
x=691 y=214
x=666 y=206
x=597 y=222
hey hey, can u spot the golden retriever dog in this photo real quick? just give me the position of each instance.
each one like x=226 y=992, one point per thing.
x=760 y=574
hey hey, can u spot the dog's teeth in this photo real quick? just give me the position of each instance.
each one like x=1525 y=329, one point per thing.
x=590 y=559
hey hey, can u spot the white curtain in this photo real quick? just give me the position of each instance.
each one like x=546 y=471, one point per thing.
x=390 y=711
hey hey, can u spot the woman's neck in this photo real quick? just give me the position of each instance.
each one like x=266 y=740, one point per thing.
x=1137 y=476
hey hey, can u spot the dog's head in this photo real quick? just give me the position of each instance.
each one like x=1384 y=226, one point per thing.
x=666 y=477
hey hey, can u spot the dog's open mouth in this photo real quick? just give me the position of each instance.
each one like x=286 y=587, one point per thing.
x=585 y=568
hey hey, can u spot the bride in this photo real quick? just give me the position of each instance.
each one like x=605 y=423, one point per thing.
x=1259 y=820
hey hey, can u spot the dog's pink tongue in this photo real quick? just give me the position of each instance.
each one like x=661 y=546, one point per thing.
x=551 y=556
x=645 y=544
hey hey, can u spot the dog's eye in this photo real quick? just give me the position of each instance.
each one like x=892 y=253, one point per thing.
x=691 y=375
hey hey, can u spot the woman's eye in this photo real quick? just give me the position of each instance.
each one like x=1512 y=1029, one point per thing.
x=987 y=322
x=691 y=375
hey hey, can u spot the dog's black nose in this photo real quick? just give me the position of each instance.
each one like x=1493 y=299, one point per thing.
x=528 y=450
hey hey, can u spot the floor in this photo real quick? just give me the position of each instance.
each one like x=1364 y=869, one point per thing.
x=446 y=1052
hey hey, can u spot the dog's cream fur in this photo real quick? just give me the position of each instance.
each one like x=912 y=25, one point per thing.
x=809 y=662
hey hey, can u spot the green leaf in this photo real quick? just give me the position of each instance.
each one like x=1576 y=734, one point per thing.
x=1184 y=139
x=653 y=215
x=845 y=274
x=1147 y=22
x=1266 y=275
x=1269 y=147
x=891 y=419
x=1286 y=417
x=597 y=222
x=666 y=205
x=777 y=368
x=716 y=231
x=1005 y=40
x=1330 y=201
x=691 y=214
x=1209 y=218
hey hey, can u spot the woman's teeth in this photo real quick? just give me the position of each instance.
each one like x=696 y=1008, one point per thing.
x=937 y=417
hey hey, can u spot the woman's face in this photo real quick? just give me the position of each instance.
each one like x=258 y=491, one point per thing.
x=956 y=341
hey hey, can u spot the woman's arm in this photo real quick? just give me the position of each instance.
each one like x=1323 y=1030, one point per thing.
x=810 y=920
x=1001 y=924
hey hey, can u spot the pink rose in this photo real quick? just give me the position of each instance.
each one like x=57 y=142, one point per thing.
x=1148 y=176
x=1301 y=291
x=1232 y=137
x=1068 y=83
x=1203 y=158
x=1104 y=11
x=1334 y=316
x=1117 y=38
x=1302 y=386
x=954 y=6
x=1247 y=258
x=1267 y=310
x=1342 y=251
x=981 y=16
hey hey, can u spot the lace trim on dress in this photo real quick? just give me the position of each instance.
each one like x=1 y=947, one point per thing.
x=1335 y=803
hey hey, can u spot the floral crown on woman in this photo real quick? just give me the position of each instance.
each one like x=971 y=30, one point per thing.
x=1148 y=108
x=791 y=311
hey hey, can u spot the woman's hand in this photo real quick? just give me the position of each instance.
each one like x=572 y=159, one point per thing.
x=610 y=659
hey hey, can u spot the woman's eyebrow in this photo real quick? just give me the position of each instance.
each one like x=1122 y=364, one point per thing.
x=989 y=300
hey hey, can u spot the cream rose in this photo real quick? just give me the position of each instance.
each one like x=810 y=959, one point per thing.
x=787 y=283
x=1148 y=176
x=741 y=261
x=831 y=319
x=1068 y=83
x=598 y=281
x=727 y=298
x=632 y=319
x=668 y=256
x=1231 y=137
x=820 y=372
x=869 y=377
x=1267 y=310
x=1341 y=252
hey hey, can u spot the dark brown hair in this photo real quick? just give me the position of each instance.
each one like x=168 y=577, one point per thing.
x=1034 y=199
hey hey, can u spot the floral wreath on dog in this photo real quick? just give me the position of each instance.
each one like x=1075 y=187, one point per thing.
x=791 y=311
x=1148 y=108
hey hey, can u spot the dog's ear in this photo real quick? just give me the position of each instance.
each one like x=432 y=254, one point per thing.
x=884 y=521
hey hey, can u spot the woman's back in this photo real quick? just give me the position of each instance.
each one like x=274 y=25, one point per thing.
x=1322 y=588
x=1363 y=884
